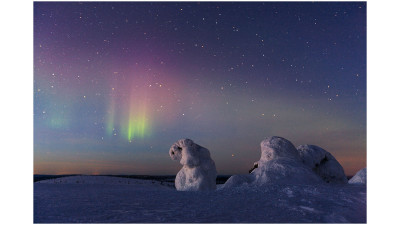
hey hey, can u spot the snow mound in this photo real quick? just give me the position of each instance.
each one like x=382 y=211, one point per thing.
x=198 y=172
x=322 y=163
x=360 y=177
x=280 y=163
x=274 y=147
x=283 y=171
x=239 y=180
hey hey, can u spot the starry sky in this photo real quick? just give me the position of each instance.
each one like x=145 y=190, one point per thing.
x=117 y=83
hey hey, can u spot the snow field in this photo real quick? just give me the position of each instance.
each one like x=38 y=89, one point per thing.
x=101 y=199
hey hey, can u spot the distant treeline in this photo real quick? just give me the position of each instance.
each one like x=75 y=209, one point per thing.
x=167 y=178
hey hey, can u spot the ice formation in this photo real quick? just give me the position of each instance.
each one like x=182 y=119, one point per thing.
x=280 y=163
x=322 y=163
x=198 y=172
x=360 y=177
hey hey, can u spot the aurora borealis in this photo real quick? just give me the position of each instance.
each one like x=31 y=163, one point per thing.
x=117 y=83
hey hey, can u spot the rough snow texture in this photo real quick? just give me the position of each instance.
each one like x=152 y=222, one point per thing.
x=280 y=163
x=322 y=163
x=87 y=199
x=198 y=172
x=97 y=180
x=360 y=177
x=278 y=147
x=239 y=180
x=283 y=171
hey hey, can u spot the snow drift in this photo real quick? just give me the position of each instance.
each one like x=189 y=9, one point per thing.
x=280 y=163
x=198 y=172
x=322 y=163
x=360 y=177
x=99 y=200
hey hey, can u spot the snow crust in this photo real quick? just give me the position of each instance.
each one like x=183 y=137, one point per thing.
x=104 y=180
x=322 y=163
x=125 y=200
x=198 y=172
x=360 y=177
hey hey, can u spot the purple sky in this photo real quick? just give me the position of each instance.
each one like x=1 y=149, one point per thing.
x=116 y=84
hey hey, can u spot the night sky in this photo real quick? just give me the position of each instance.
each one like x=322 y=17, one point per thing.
x=116 y=84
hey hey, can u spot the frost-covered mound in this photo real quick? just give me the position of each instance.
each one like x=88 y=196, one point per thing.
x=283 y=171
x=360 y=177
x=277 y=147
x=240 y=180
x=322 y=163
x=280 y=163
x=198 y=172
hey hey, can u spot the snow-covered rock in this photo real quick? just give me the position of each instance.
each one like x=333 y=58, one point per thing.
x=280 y=163
x=360 y=177
x=322 y=163
x=198 y=172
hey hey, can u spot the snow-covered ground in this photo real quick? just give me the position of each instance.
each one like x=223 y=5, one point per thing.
x=101 y=199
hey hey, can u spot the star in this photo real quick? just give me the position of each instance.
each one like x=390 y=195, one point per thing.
x=144 y=69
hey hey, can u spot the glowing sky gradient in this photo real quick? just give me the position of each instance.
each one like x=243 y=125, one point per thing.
x=116 y=84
